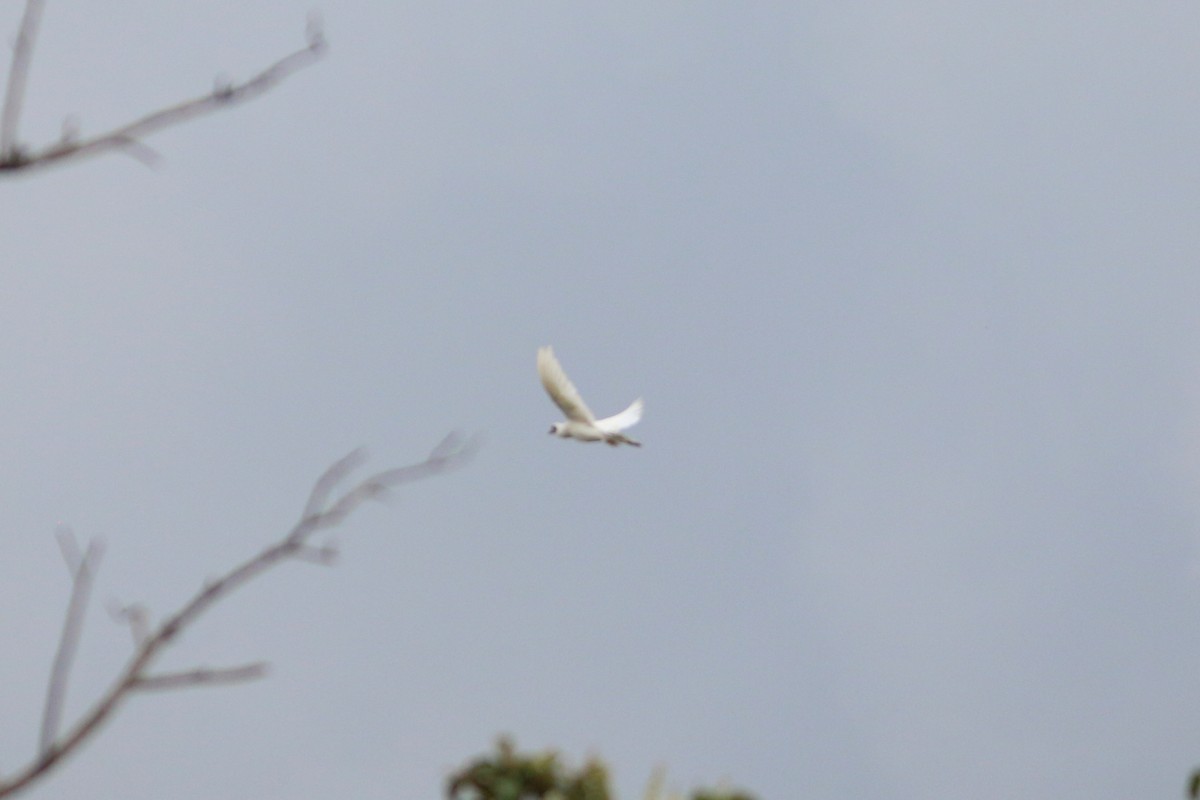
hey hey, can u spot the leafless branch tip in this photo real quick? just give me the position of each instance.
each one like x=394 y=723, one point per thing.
x=201 y=676
x=127 y=139
x=83 y=569
x=136 y=616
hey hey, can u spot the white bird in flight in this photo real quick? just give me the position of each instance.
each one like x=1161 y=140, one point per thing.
x=581 y=423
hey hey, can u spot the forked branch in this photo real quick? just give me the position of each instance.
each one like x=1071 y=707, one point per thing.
x=127 y=138
x=83 y=570
x=325 y=509
x=18 y=76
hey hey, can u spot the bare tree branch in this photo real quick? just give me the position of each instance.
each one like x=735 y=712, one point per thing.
x=136 y=617
x=127 y=138
x=452 y=452
x=201 y=676
x=337 y=472
x=68 y=545
x=83 y=570
x=18 y=76
x=324 y=555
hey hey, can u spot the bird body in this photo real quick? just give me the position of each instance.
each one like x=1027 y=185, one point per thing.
x=581 y=424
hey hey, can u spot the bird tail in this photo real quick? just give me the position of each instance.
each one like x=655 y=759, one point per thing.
x=615 y=439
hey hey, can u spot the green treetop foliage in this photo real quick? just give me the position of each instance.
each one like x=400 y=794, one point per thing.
x=508 y=775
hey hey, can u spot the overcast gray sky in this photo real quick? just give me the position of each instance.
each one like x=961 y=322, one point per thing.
x=910 y=291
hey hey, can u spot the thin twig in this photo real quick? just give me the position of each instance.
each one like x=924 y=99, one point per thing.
x=18 y=76
x=324 y=555
x=127 y=138
x=83 y=570
x=136 y=616
x=318 y=498
x=452 y=452
x=68 y=545
x=201 y=676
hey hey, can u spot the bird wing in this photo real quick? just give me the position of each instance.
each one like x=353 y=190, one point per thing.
x=559 y=387
x=626 y=419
